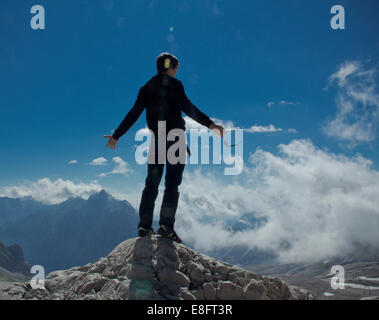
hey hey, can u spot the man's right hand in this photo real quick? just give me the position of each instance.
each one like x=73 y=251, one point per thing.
x=111 y=142
x=219 y=130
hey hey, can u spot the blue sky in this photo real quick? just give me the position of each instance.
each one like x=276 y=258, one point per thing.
x=64 y=87
x=277 y=64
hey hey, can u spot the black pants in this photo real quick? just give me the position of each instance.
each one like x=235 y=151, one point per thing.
x=173 y=179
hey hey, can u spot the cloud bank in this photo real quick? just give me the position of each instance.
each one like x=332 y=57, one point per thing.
x=307 y=204
x=302 y=204
x=51 y=192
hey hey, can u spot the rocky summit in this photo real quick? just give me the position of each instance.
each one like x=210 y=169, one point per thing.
x=159 y=269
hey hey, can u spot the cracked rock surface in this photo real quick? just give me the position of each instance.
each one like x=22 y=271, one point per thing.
x=156 y=268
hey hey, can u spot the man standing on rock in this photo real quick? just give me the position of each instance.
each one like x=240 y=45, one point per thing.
x=164 y=98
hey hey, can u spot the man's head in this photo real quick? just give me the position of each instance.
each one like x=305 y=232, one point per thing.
x=167 y=63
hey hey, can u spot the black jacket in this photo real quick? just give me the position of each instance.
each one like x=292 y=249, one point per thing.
x=164 y=98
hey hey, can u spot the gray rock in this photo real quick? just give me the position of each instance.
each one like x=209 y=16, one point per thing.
x=198 y=293
x=297 y=293
x=255 y=290
x=196 y=272
x=123 y=291
x=93 y=282
x=227 y=290
x=209 y=291
x=170 y=276
x=185 y=294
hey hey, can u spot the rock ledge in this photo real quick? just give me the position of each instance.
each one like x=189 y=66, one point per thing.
x=157 y=268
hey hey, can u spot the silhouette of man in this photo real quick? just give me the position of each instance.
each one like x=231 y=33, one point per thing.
x=164 y=99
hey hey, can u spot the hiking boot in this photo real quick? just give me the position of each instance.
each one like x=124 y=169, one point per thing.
x=169 y=233
x=143 y=232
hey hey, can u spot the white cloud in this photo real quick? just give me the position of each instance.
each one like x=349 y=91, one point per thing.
x=192 y=124
x=357 y=102
x=50 y=192
x=73 y=162
x=345 y=70
x=313 y=204
x=258 y=129
x=284 y=102
x=229 y=125
x=101 y=161
x=281 y=102
x=121 y=167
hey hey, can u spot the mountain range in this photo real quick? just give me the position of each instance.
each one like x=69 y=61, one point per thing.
x=79 y=231
x=71 y=233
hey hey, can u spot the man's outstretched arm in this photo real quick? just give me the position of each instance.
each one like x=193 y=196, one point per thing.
x=193 y=112
x=131 y=116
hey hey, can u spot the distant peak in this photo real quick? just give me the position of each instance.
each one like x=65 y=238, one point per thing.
x=102 y=194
